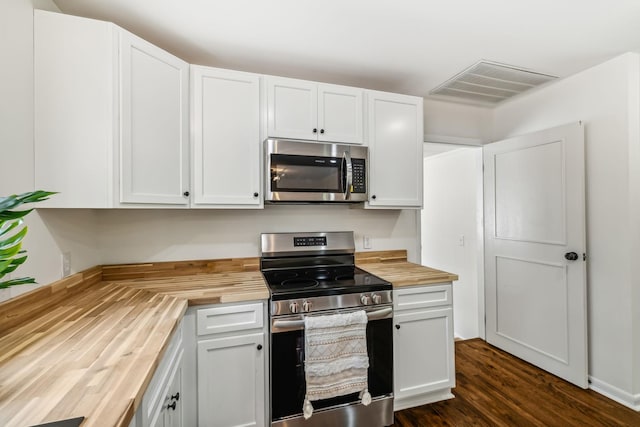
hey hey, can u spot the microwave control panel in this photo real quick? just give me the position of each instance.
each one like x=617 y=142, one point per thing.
x=359 y=176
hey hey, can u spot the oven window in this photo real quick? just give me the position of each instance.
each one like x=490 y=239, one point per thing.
x=306 y=174
x=287 y=370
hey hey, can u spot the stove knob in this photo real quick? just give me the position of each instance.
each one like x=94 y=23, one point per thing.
x=365 y=299
x=293 y=307
x=306 y=306
x=377 y=299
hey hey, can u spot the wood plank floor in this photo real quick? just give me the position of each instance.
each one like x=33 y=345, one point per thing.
x=494 y=388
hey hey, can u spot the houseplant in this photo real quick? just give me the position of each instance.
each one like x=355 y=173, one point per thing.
x=12 y=233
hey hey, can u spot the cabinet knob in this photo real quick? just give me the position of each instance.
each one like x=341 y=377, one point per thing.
x=321 y=130
x=259 y=347
x=172 y=405
x=185 y=194
x=397 y=326
x=255 y=194
x=373 y=197
x=176 y=396
x=315 y=130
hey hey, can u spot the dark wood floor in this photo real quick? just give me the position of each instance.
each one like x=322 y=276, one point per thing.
x=494 y=388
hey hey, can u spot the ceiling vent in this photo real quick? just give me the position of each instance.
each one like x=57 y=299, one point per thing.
x=490 y=82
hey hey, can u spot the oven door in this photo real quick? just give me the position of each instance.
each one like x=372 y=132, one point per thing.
x=314 y=172
x=288 y=384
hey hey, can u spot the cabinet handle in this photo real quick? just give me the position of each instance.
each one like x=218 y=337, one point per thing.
x=255 y=194
x=397 y=326
x=259 y=347
x=185 y=194
x=373 y=197
x=315 y=130
x=176 y=396
x=172 y=405
x=321 y=130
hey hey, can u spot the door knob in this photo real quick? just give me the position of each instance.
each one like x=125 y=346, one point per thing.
x=571 y=256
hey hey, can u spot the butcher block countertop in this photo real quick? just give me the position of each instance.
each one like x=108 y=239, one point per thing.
x=88 y=345
x=393 y=267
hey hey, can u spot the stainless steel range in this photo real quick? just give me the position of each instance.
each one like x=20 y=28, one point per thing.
x=313 y=274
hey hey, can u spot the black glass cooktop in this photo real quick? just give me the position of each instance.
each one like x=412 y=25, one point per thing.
x=321 y=281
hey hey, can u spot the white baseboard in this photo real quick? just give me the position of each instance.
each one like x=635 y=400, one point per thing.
x=614 y=393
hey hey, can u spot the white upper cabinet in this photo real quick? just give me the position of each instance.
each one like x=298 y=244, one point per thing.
x=301 y=109
x=154 y=118
x=111 y=116
x=225 y=138
x=395 y=150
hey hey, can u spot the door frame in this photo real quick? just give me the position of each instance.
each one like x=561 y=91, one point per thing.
x=461 y=142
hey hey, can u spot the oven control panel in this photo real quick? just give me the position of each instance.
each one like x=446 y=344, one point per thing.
x=330 y=302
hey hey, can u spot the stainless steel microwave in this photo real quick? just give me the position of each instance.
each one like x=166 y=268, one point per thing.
x=299 y=171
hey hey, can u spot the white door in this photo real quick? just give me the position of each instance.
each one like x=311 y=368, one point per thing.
x=154 y=124
x=226 y=138
x=292 y=108
x=534 y=226
x=340 y=114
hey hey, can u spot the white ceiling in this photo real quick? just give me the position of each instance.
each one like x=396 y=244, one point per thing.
x=405 y=46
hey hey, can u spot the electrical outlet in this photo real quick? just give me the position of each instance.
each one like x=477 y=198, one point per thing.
x=66 y=264
x=366 y=242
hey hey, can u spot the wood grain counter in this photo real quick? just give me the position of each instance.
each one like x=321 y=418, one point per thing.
x=393 y=267
x=89 y=344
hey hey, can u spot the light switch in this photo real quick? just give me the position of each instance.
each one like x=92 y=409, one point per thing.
x=461 y=240
x=366 y=242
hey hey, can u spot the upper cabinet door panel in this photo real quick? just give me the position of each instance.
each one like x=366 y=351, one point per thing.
x=292 y=108
x=395 y=140
x=154 y=166
x=226 y=138
x=340 y=114
x=73 y=100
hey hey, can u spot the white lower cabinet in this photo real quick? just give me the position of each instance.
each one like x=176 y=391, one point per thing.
x=163 y=401
x=231 y=364
x=423 y=348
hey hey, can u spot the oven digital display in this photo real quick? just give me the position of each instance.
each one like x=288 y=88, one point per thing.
x=310 y=241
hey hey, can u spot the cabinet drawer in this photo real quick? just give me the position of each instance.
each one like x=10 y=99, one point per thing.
x=422 y=297
x=230 y=318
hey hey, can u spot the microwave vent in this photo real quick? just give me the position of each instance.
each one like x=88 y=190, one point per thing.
x=491 y=82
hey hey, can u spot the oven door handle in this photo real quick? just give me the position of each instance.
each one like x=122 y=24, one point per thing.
x=299 y=323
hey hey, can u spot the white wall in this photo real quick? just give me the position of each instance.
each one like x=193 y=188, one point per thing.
x=452 y=181
x=51 y=233
x=605 y=98
x=456 y=123
x=153 y=235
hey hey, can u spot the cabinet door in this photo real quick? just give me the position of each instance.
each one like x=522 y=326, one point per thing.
x=292 y=108
x=226 y=138
x=340 y=114
x=74 y=110
x=395 y=153
x=154 y=114
x=231 y=381
x=423 y=352
x=175 y=396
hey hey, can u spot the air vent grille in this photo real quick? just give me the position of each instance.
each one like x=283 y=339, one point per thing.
x=491 y=82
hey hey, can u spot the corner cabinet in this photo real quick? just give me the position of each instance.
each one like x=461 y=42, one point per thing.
x=423 y=348
x=395 y=124
x=225 y=138
x=231 y=364
x=307 y=110
x=111 y=116
x=163 y=401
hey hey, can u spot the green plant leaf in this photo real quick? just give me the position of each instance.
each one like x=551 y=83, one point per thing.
x=9 y=202
x=13 y=240
x=8 y=215
x=35 y=196
x=13 y=265
x=7 y=226
x=14 y=282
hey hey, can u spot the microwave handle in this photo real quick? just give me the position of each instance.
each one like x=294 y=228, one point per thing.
x=348 y=171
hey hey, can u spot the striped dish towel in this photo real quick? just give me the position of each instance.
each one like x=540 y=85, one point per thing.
x=336 y=359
